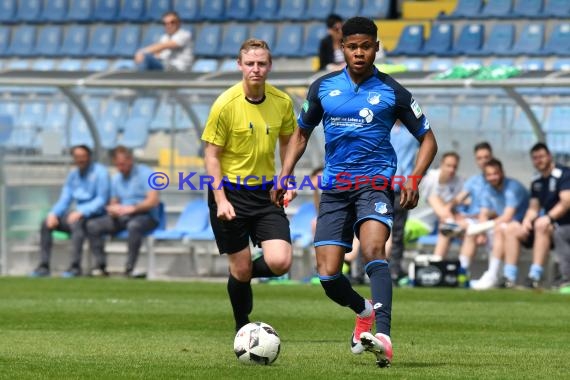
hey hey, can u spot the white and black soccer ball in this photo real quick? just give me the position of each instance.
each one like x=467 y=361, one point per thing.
x=257 y=343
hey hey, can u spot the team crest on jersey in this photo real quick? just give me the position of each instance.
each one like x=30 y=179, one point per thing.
x=367 y=114
x=305 y=105
x=426 y=124
x=373 y=98
x=335 y=93
x=381 y=207
x=416 y=108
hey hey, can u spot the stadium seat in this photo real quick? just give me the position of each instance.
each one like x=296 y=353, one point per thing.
x=240 y=10
x=183 y=121
x=469 y=115
x=116 y=110
x=22 y=139
x=470 y=39
x=562 y=64
x=289 y=42
x=106 y=10
x=56 y=117
x=8 y=9
x=348 y=8
x=208 y=41
x=143 y=108
x=213 y=10
x=376 y=9
x=559 y=41
x=413 y=64
x=265 y=10
x=557 y=119
x=411 y=41
x=74 y=41
x=133 y=11
x=29 y=11
x=54 y=11
x=439 y=115
x=469 y=9
x=43 y=65
x=499 y=42
x=188 y=11
x=49 y=41
x=228 y=65
x=81 y=10
x=313 y=35
x=502 y=62
x=108 y=132
x=126 y=41
x=151 y=35
x=301 y=223
x=79 y=132
x=530 y=40
x=101 y=41
x=4 y=39
x=156 y=8
x=441 y=64
x=194 y=219
x=205 y=65
x=528 y=8
x=521 y=123
x=32 y=115
x=70 y=65
x=163 y=119
x=124 y=65
x=6 y=128
x=18 y=64
x=233 y=37
x=135 y=133
x=498 y=117
x=440 y=41
x=97 y=65
x=293 y=10
x=23 y=41
x=497 y=9
x=265 y=32
x=535 y=64
x=556 y=9
x=318 y=9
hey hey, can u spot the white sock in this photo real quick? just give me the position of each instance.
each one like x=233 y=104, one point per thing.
x=464 y=261
x=495 y=266
x=367 y=309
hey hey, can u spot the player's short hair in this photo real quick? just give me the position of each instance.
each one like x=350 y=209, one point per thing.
x=122 y=150
x=539 y=146
x=171 y=13
x=482 y=145
x=450 y=154
x=83 y=147
x=495 y=163
x=333 y=19
x=253 y=43
x=359 y=25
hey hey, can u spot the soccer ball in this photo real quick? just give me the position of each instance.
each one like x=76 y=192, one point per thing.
x=257 y=343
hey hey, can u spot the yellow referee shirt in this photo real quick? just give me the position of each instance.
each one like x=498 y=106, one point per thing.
x=249 y=132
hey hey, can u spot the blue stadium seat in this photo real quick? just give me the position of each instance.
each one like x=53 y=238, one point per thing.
x=124 y=65
x=265 y=10
x=183 y=121
x=195 y=218
x=557 y=9
x=294 y=10
x=535 y=64
x=70 y=65
x=208 y=41
x=43 y=65
x=8 y=9
x=502 y=62
x=101 y=41
x=133 y=11
x=233 y=37
x=411 y=41
x=470 y=39
x=163 y=118
x=49 y=41
x=213 y=10
x=500 y=40
x=108 y=132
x=106 y=10
x=18 y=64
x=93 y=106
x=116 y=110
x=151 y=35
x=472 y=62
x=81 y=11
x=126 y=41
x=528 y=8
x=4 y=39
x=156 y=8
x=521 y=123
x=439 y=115
x=79 y=132
x=557 y=120
x=562 y=64
x=10 y=108
x=440 y=41
x=135 y=134
x=205 y=65
x=301 y=224
x=188 y=11
x=29 y=11
x=530 y=40
x=240 y=10
x=318 y=9
x=465 y=9
x=413 y=64
x=97 y=65
x=6 y=128
x=559 y=41
x=23 y=41
x=376 y=9
x=313 y=35
x=22 y=139
x=74 y=41
x=498 y=117
x=228 y=65
x=55 y=11
x=32 y=115
x=469 y=115
x=497 y=9
x=144 y=108
x=348 y=8
x=289 y=42
x=441 y=64
x=56 y=117
x=265 y=32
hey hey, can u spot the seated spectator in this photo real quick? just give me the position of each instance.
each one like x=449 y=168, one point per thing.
x=87 y=186
x=173 y=52
x=503 y=200
x=133 y=207
x=440 y=187
x=331 y=57
x=549 y=210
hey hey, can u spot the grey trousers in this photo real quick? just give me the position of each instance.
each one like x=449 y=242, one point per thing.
x=136 y=225
x=562 y=249
x=400 y=218
x=77 y=232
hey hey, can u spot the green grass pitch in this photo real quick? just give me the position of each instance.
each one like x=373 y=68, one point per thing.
x=115 y=328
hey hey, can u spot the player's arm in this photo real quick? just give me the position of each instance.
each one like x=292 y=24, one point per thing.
x=440 y=208
x=531 y=213
x=562 y=207
x=507 y=216
x=212 y=158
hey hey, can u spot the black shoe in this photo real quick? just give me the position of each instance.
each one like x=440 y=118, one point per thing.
x=41 y=271
x=99 y=272
x=71 y=272
x=505 y=283
x=532 y=283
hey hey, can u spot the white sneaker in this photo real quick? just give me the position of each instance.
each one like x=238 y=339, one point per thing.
x=486 y=282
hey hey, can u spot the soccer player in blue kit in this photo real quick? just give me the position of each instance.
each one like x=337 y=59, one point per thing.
x=358 y=107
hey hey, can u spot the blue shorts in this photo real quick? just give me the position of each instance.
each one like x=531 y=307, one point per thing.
x=342 y=211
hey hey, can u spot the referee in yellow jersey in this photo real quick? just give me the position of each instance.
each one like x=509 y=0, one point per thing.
x=241 y=135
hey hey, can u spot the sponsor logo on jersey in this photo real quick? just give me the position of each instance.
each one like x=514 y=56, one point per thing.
x=335 y=93
x=366 y=114
x=416 y=109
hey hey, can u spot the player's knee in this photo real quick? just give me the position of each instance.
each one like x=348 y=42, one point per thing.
x=374 y=251
x=279 y=265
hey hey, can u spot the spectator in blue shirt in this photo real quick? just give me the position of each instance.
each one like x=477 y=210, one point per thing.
x=133 y=207
x=86 y=186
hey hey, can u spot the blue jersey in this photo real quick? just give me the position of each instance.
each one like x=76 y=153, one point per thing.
x=512 y=194
x=357 y=120
x=474 y=187
x=405 y=146
x=133 y=189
